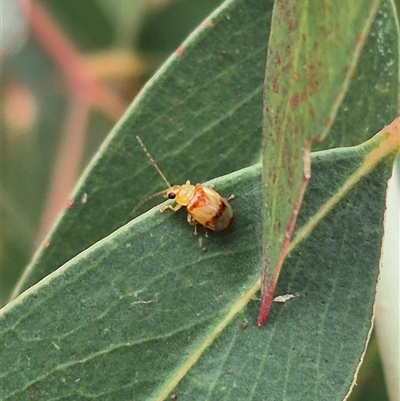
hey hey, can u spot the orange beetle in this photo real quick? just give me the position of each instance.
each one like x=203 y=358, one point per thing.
x=204 y=205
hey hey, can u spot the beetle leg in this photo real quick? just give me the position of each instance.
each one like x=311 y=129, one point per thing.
x=228 y=199
x=192 y=222
x=173 y=208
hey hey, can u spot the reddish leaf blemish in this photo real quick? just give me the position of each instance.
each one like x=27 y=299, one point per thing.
x=294 y=101
x=275 y=86
x=180 y=51
x=207 y=23
x=69 y=203
x=360 y=40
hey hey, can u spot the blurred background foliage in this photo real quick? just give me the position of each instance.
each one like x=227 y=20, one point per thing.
x=69 y=70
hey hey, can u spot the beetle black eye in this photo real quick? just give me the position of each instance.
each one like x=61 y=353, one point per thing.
x=172 y=195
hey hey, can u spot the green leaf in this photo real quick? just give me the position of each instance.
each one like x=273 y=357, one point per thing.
x=201 y=116
x=152 y=310
x=305 y=84
x=149 y=309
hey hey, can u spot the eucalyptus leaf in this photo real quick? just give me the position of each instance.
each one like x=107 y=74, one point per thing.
x=152 y=310
x=128 y=307
x=201 y=116
x=305 y=84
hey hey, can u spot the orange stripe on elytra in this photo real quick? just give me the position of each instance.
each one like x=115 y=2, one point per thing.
x=199 y=198
x=220 y=212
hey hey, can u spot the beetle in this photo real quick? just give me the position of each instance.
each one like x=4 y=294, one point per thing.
x=204 y=205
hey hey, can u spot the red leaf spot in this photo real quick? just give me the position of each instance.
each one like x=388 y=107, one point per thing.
x=69 y=203
x=207 y=23
x=275 y=86
x=360 y=39
x=180 y=51
x=294 y=101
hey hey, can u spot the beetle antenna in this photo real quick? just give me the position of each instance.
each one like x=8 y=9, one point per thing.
x=142 y=202
x=155 y=166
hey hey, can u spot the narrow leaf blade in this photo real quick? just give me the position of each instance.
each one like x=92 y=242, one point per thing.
x=306 y=82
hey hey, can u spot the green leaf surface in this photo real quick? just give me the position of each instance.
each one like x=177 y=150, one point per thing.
x=129 y=318
x=306 y=81
x=201 y=116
